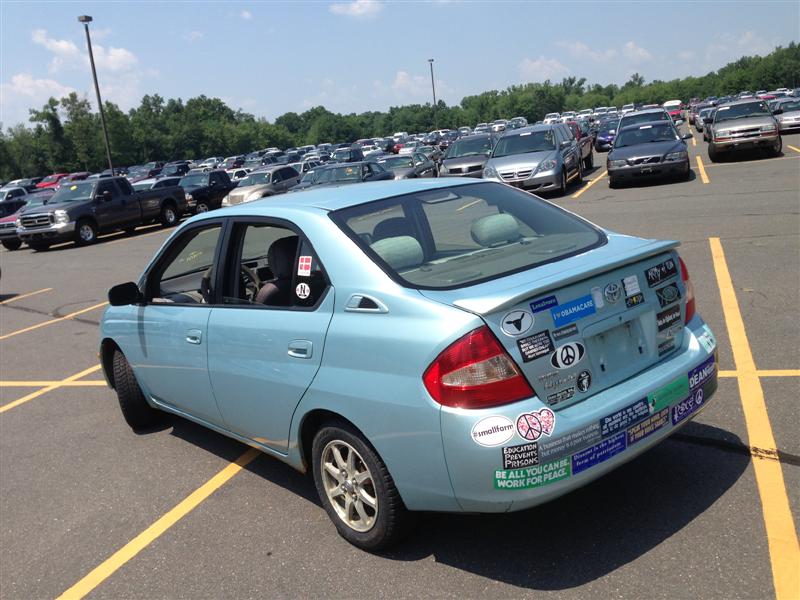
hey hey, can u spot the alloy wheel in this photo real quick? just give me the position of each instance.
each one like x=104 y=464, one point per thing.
x=349 y=486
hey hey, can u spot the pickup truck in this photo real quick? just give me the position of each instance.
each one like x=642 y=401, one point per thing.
x=84 y=209
x=205 y=191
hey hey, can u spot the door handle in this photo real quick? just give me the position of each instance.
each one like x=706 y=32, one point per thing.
x=194 y=336
x=300 y=349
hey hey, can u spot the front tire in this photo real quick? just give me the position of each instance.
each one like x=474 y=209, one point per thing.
x=356 y=489
x=137 y=412
x=12 y=244
x=85 y=233
x=169 y=216
x=776 y=149
x=562 y=188
x=713 y=155
x=201 y=208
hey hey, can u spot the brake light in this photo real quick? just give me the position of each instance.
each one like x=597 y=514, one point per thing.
x=687 y=283
x=475 y=372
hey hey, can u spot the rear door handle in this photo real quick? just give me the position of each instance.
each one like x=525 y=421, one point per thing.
x=300 y=349
x=194 y=336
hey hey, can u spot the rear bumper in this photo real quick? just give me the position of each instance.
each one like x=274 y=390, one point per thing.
x=587 y=440
x=662 y=169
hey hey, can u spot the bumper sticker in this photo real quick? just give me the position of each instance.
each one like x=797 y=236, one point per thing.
x=492 y=431
x=568 y=444
x=565 y=314
x=518 y=457
x=624 y=418
x=531 y=426
x=598 y=453
x=669 y=394
x=532 y=477
x=706 y=339
x=642 y=430
x=535 y=346
x=661 y=272
x=543 y=304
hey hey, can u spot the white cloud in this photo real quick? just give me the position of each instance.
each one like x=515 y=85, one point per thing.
x=636 y=54
x=582 y=51
x=541 y=68
x=358 y=8
x=101 y=33
x=64 y=51
x=246 y=15
x=687 y=55
x=24 y=91
x=114 y=59
x=67 y=54
x=193 y=36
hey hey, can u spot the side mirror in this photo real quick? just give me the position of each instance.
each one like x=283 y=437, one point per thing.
x=104 y=197
x=566 y=144
x=777 y=111
x=124 y=294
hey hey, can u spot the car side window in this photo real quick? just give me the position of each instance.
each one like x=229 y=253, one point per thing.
x=277 y=176
x=187 y=273
x=105 y=186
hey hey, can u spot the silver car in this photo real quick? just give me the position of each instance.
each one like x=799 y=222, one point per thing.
x=787 y=113
x=540 y=158
x=467 y=156
x=260 y=184
x=743 y=125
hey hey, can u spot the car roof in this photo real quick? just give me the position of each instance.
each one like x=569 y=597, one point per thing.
x=644 y=111
x=643 y=124
x=532 y=128
x=744 y=101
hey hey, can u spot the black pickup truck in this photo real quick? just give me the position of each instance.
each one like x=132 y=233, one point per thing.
x=205 y=191
x=83 y=209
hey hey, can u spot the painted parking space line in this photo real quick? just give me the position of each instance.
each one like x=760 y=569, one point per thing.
x=146 y=537
x=793 y=148
x=784 y=549
x=701 y=167
x=23 y=383
x=468 y=204
x=28 y=295
x=588 y=185
x=54 y=386
x=764 y=373
x=52 y=321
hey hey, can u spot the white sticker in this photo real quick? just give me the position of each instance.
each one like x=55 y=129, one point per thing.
x=304 y=266
x=597 y=296
x=492 y=431
x=707 y=340
x=517 y=322
x=631 y=285
x=303 y=291
x=646 y=127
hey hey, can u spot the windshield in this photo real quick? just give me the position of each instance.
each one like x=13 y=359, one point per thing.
x=340 y=174
x=397 y=162
x=741 y=111
x=73 y=193
x=645 y=134
x=50 y=179
x=635 y=119
x=531 y=141
x=141 y=186
x=255 y=179
x=787 y=106
x=608 y=128
x=476 y=147
x=341 y=153
x=37 y=200
x=460 y=235
x=198 y=180
x=171 y=170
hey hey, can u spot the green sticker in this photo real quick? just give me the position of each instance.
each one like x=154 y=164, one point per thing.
x=533 y=477
x=670 y=393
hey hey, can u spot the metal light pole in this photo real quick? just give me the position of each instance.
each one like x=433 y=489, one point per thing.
x=86 y=19
x=433 y=87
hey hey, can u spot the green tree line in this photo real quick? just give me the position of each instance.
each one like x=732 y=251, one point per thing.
x=65 y=135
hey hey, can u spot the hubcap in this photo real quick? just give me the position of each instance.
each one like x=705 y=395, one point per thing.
x=349 y=486
x=170 y=215
x=87 y=233
x=202 y=208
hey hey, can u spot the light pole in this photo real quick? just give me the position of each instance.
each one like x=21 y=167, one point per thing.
x=86 y=19
x=433 y=87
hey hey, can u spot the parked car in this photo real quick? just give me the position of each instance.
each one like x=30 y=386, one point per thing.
x=175 y=169
x=604 y=139
x=76 y=176
x=350 y=154
x=12 y=198
x=455 y=369
x=645 y=115
x=674 y=109
x=706 y=117
x=787 y=113
x=205 y=191
x=541 y=158
x=10 y=212
x=232 y=162
x=551 y=118
x=261 y=184
x=212 y=162
x=156 y=183
x=648 y=150
x=51 y=180
x=410 y=147
x=84 y=209
x=467 y=156
x=464 y=131
x=498 y=126
x=409 y=166
x=431 y=152
x=345 y=174
x=743 y=125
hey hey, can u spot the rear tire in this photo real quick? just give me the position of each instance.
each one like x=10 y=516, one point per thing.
x=356 y=472
x=12 y=244
x=137 y=412
x=201 y=208
x=612 y=183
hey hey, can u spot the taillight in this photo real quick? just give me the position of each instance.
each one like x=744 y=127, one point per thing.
x=475 y=372
x=687 y=283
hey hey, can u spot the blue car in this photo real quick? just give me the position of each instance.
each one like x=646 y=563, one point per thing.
x=425 y=345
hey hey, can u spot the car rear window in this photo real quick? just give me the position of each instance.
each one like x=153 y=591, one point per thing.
x=461 y=235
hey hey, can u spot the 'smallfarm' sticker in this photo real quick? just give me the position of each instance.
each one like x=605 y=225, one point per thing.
x=492 y=431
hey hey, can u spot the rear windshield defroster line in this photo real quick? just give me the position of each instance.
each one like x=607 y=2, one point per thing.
x=463 y=235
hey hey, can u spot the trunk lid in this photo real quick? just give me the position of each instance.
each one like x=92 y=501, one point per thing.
x=580 y=325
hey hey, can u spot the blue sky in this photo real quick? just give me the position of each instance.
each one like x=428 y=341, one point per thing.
x=272 y=57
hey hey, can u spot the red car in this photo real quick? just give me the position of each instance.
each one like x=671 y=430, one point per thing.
x=51 y=181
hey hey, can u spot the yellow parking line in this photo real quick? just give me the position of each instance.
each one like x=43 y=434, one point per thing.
x=702 y=169
x=28 y=295
x=51 y=321
x=468 y=204
x=144 y=539
x=793 y=148
x=21 y=383
x=588 y=185
x=766 y=373
x=784 y=549
x=49 y=388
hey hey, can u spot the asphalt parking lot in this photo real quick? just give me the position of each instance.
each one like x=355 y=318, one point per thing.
x=90 y=508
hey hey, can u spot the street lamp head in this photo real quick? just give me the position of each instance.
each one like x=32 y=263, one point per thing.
x=85 y=19
x=430 y=60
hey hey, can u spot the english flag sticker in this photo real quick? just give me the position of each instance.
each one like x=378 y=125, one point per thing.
x=304 y=266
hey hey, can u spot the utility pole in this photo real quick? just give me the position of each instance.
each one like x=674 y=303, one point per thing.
x=433 y=87
x=86 y=19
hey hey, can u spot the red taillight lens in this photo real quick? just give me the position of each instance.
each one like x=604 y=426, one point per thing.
x=687 y=283
x=475 y=372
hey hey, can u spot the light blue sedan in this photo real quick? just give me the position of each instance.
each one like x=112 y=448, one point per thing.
x=442 y=345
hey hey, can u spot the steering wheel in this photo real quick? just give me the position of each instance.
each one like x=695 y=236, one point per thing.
x=251 y=281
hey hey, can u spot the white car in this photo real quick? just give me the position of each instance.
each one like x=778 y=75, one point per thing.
x=400 y=136
x=211 y=162
x=410 y=147
x=499 y=125
x=585 y=113
x=370 y=150
x=600 y=110
x=551 y=118
x=237 y=174
x=626 y=108
x=570 y=115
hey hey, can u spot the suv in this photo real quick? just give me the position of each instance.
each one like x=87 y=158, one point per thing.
x=743 y=125
x=539 y=158
x=348 y=155
x=263 y=183
x=205 y=191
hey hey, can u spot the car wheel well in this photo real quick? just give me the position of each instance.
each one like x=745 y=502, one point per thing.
x=107 y=349
x=89 y=220
x=312 y=423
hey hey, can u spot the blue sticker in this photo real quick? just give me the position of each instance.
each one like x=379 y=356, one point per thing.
x=572 y=311
x=598 y=453
x=543 y=304
x=648 y=426
x=624 y=417
x=691 y=405
x=702 y=373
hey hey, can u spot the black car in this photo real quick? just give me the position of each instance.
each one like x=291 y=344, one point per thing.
x=205 y=191
x=350 y=154
x=647 y=150
x=447 y=139
x=179 y=168
x=409 y=166
x=343 y=174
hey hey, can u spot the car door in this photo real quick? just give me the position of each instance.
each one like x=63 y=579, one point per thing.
x=169 y=352
x=264 y=348
x=109 y=208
